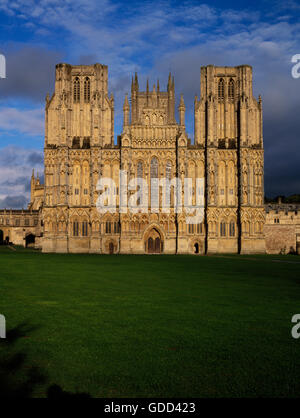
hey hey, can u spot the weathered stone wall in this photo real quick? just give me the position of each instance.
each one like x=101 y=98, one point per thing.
x=280 y=239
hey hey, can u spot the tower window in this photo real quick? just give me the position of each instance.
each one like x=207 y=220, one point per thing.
x=154 y=182
x=221 y=89
x=199 y=228
x=108 y=228
x=116 y=227
x=86 y=142
x=232 y=229
x=222 y=229
x=84 y=229
x=76 y=91
x=231 y=89
x=87 y=89
x=75 y=229
x=76 y=142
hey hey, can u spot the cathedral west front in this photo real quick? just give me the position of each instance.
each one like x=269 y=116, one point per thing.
x=227 y=154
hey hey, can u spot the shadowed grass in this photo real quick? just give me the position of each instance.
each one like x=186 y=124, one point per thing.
x=159 y=326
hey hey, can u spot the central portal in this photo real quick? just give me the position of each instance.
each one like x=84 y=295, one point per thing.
x=154 y=242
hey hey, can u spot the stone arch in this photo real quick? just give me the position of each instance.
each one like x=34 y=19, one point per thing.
x=30 y=240
x=222 y=228
x=153 y=240
x=231 y=89
x=196 y=247
x=232 y=225
x=221 y=89
x=75 y=225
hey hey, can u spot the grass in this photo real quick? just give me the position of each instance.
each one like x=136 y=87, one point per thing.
x=150 y=326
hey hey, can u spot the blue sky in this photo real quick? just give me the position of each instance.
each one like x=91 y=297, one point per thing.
x=151 y=38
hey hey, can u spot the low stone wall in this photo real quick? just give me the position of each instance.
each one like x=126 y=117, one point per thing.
x=280 y=239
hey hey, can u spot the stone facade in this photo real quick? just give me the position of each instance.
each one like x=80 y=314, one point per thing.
x=282 y=228
x=21 y=227
x=79 y=150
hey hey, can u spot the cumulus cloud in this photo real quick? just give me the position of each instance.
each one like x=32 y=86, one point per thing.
x=30 y=72
x=14 y=202
x=30 y=122
x=155 y=40
x=16 y=164
x=35 y=158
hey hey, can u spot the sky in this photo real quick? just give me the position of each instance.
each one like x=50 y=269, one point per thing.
x=151 y=38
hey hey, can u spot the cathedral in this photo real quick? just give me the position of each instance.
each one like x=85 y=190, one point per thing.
x=227 y=154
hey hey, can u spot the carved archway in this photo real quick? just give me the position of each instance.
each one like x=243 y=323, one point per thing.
x=196 y=247
x=153 y=242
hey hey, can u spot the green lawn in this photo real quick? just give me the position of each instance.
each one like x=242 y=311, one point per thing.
x=149 y=326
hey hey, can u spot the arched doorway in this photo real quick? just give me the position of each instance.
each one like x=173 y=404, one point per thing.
x=30 y=240
x=196 y=248
x=153 y=242
x=150 y=245
x=1 y=237
x=157 y=245
x=111 y=248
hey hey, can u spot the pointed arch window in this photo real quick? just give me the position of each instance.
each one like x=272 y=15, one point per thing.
x=75 y=229
x=84 y=229
x=154 y=182
x=221 y=89
x=232 y=229
x=223 y=229
x=87 y=89
x=231 y=89
x=154 y=168
x=140 y=169
x=76 y=90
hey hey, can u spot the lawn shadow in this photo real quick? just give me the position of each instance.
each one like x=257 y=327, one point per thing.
x=17 y=378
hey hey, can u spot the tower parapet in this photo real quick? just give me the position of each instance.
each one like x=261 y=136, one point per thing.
x=80 y=110
x=154 y=107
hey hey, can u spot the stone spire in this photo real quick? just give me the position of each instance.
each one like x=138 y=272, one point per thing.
x=181 y=109
x=126 y=109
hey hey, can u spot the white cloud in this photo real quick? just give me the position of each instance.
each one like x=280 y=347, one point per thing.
x=30 y=122
x=156 y=37
x=16 y=164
